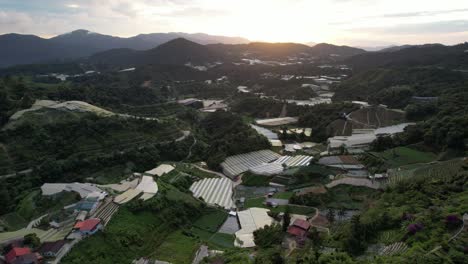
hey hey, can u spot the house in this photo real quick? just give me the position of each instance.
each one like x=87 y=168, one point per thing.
x=51 y=249
x=299 y=228
x=22 y=255
x=89 y=226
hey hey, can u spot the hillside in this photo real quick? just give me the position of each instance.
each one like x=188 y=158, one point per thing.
x=395 y=86
x=26 y=49
x=282 y=50
x=46 y=111
x=325 y=49
x=175 y=52
x=425 y=55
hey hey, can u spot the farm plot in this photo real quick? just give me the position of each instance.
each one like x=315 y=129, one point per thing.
x=235 y=165
x=401 y=156
x=214 y=191
x=393 y=249
x=436 y=170
x=177 y=248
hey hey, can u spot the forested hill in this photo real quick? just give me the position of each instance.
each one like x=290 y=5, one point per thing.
x=25 y=49
x=176 y=52
x=455 y=57
x=396 y=86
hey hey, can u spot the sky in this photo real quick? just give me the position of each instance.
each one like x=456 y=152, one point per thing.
x=363 y=23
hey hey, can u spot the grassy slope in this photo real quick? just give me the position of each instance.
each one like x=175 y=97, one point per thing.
x=403 y=156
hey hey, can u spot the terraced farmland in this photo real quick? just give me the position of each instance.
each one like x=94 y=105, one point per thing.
x=366 y=118
x=435 y=170
x=392 y=249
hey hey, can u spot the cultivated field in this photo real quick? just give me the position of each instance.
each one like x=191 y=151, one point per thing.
x=366 y=118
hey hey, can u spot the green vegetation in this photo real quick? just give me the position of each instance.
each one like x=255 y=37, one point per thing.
x=268 y=236
x=227 y=134
x=293 y=209
x=318 y=117
x=283 y=195
x=12 y=221
x=147 y=228
x=342 y=196
x=250 y=179
x=211 y=220
x=308 y=176
x=194 y=171
x=34 y=204
x=176 y=248
x=396 y=157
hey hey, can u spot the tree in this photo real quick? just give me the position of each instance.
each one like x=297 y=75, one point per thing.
x=268 y=236
x=335 y=258
x=32 y=240
x=331 y=215
x=314 y=236
x=269 y=256
x=286 y=219
x=4 y=200
x=355 y=244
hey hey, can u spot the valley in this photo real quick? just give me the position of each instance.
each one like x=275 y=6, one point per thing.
x=191 y=151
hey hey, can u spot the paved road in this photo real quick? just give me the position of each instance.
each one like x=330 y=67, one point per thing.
x=201 y=253
x=66 y=248
x=15 y=174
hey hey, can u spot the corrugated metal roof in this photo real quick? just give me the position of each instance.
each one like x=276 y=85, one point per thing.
x=235 y=165
x=214 y=191
x=295 y=161
x=267 y=169
x=265 y=132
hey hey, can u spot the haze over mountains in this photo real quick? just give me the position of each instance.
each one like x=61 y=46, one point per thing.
x=25 y=49
x=180 y=48
x=29 y=49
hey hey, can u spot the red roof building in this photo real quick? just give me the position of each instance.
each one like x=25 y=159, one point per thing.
x=296 y=231
x=301 y=223
x=299 y=228
x=89 y=226
x=16 y=252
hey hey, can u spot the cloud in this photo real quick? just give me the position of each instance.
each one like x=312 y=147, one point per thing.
x=425 y=13
x=72 y=6
x=455 y=26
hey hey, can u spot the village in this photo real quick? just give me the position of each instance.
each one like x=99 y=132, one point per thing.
x=254 y=189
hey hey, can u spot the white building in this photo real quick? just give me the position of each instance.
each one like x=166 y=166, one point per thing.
x=251 y=220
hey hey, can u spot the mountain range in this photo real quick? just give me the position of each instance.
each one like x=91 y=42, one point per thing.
x=27 y=49
x=180 y=51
